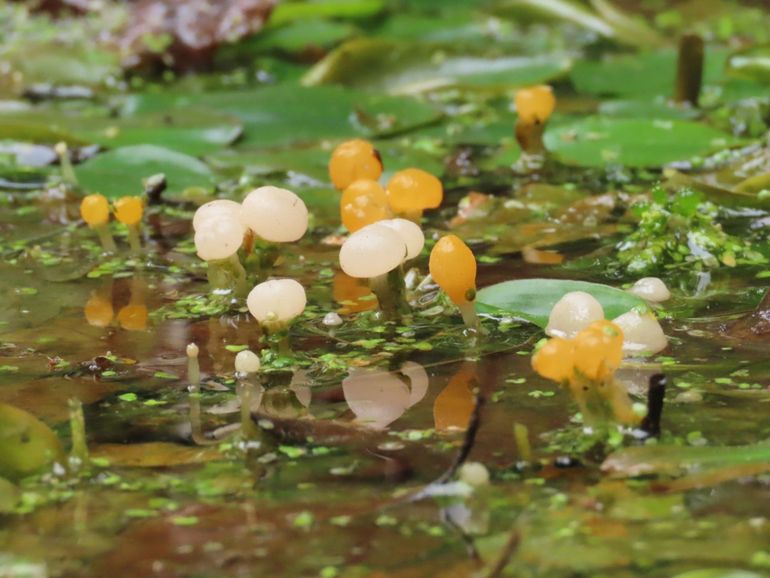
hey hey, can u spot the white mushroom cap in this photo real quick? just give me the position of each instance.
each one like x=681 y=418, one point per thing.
x=642 y=334
x=651 y=289
x=247 y=362
x=192 y=350
x=219 y=237
x=410 y=232
x=277 y=302
x=573 y=313
x=372 y=251
x=376 y=398
x=474 y=474
x=212 y=209
x=274 y=214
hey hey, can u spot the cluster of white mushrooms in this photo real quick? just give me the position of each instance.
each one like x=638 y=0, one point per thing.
x=272 y=214
x=642 y=334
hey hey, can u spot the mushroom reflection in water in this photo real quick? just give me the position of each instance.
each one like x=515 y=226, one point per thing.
x=454 y=405
x=98 y=309
x=378 y=398
x=133 y=317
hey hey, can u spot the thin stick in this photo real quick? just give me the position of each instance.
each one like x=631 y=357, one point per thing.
x=79 y=452
x=511 y=545
x=655 y=397
x=468 y=442
x=689 y=69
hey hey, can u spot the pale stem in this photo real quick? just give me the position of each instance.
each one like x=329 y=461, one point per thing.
x=134 y=240
x=105 y=238
x=67 y=172
x=249 y=429
x=79 y=451
x=389 y=290
x=521 y=435
x=228 y=274
x=529 y=135
x=193 y=371
x=468 y=311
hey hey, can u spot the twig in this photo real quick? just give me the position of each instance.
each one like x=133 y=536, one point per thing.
x=468 y=442
x=510 y=548
x=655 y=397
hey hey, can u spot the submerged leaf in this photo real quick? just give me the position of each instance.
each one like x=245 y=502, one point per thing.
x=153 y=454
x=28 y=445
x=533 y=299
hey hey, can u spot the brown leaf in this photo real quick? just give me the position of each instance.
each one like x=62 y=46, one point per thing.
x=153 y=454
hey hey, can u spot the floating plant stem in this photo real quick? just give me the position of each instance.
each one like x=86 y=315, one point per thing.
x=79 y=452
x=689 y=69
x=193 y=366
x=68 y=173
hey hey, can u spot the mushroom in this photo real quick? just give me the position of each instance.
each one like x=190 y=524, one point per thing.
x=218 y=207
x=411 y=191
x=362 y=203
x=372 y=253
x=651 y=289
x=275 y=215
x=246 y=363
x=193 y=365
x=276 y=303
x=534 y=106
x=572 y=313
x=129 y=211
x=410 y=232
x=217 y=241
x=453 y=267
x=95 y=211
x=377 y=398
x=642 y=334
x=354 y=160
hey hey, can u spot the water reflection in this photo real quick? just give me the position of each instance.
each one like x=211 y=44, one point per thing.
x=99 y=310
x=354 y=295
x=454 y=405
x=378 y=398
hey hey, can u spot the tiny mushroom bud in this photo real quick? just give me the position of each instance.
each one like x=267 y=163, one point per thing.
x=246 y=362
x=276 y=303
x=274 y=214
x=535 y=104
x=95 y=211
x=453 y=267
x=354 y=160
x=651 y=289
x=129 y=211
x=642 y=334
x=411 y=191
x=362 y=203
x=193 y=365
x=410 y=232
x=219 y=207
x=474 y=474
x=573 y=313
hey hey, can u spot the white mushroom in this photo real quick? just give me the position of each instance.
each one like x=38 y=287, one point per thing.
x=218 y=238
x=276 y=303
x=651 y=289
x=372 y=251
x=246 y=362
x=410 y=232
x=377 y=398
x=217 y=208
x=642 y=334
x=275 y=215
x=573 y=313
x=474 y=474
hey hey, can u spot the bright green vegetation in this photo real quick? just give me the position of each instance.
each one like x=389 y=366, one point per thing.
x=176 y=483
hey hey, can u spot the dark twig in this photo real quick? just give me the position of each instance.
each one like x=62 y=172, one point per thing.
x=655 y=396
x=511 y=545
x=689 y=71
x=468 y=442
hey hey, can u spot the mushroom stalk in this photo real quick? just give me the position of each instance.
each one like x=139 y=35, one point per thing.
x=134 y=240
x=105 y=238
x=193 y=367
x=67 y=172
x=689 y=69
x=227 y=274
x=389 y=289
x=79 y=452
x=246 y=396
x=529 y=135
x=468 y=311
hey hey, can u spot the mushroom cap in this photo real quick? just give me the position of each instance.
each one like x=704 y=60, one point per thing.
x=129 y=210
x=642 y=334
x=453 y=267
x=192 y=350
x=414 y=190
x=372 y=251
x=247 y=362
x=216 y=208
x=277 y=301
x=410 y=232
x=474 y=474
x=651 y=289
x=535 y=104
x=573 y=313
x=353 y=160
x=274 y=214
x=95 y=210
x=377 y=398
x=362 y=203
x=219 y=237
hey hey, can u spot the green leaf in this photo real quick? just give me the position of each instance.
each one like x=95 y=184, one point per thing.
x=635 y=142
x=298 y=37
x=341 y=9
x=29 y=446
x=9 y=496
x=290 y=115
x=79 y=64
x=639 y=75
x=533 y=299
x=120 y=172
x=753 y=64
x=719 y=573
x=412 y=67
